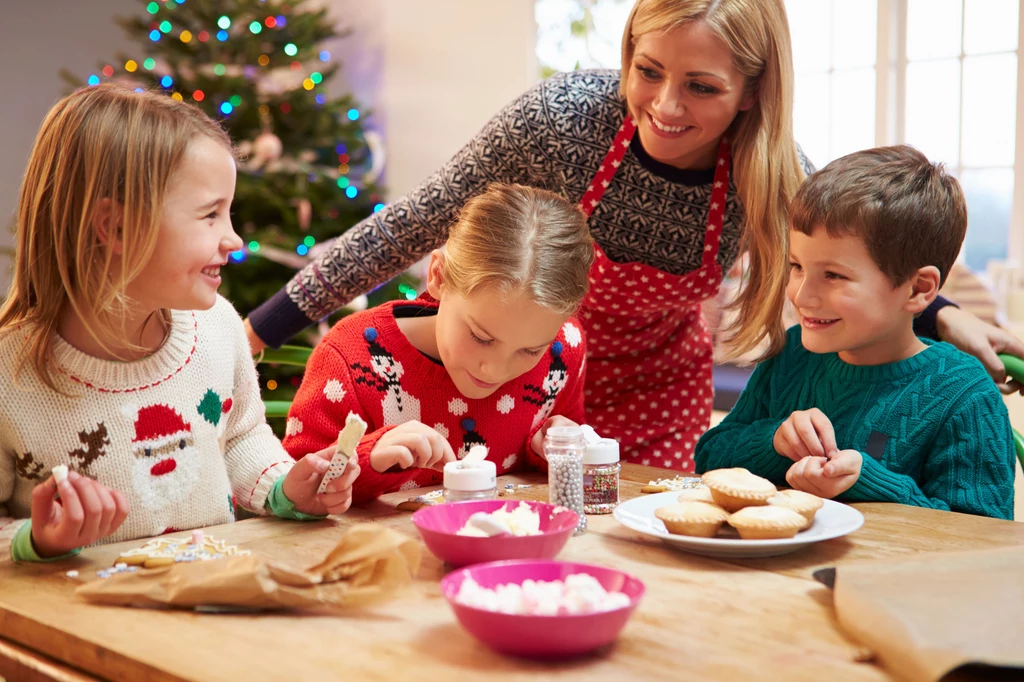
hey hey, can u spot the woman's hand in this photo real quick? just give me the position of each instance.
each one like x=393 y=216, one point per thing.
x=982 y=340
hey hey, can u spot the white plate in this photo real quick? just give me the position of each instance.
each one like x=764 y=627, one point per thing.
x=832 y=521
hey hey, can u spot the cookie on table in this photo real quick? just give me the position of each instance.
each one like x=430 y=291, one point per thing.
x=664 y=485
x=768 y=522
x=734 y=489
x=805 y=504
x=167 y=551
x=696 y=519
x=417 y=503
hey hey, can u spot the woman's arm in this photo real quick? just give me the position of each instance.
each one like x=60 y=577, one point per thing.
x=508 y=149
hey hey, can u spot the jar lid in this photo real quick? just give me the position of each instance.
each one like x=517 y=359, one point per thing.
x=481 y=476
x=604 y=451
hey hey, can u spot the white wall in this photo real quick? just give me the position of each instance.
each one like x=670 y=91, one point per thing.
x=37 y=39
x=449 y=66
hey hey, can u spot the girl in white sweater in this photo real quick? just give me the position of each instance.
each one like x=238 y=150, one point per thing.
x=117 y=357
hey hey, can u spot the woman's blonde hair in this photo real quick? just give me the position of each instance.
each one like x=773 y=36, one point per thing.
x=766 y=166
x=99 y=145
x=521 y=240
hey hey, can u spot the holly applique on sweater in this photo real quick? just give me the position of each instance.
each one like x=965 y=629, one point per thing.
x=366 y=365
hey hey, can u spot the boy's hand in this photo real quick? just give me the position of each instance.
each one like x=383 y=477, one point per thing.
x=537 y=444
x=806 y=433
x=88 y=511
x=412 y=444
x=826 y=476
x=302 y=482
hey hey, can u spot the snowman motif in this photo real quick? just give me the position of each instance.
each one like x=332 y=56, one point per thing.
x=470 y=438
x=166 y=465
x=555 y=380
x=385 y=374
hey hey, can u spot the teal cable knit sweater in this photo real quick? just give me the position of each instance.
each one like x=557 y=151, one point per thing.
x=932 y=429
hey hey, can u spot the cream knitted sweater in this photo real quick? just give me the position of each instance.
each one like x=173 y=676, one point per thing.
x=181 y=433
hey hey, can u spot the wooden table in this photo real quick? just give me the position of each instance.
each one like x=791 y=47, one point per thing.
x=702 y=619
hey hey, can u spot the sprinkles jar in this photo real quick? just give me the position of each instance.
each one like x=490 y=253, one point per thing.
x=601 y=476
x=564 y=448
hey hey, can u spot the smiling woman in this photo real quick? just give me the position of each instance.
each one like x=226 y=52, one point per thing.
x=680 y=159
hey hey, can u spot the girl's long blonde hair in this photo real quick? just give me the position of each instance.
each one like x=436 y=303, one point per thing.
x=521 y=240
x=766 y=167
x=99 y=146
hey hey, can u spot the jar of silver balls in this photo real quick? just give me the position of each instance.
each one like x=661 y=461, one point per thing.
x=564 y=448
x=601 y=476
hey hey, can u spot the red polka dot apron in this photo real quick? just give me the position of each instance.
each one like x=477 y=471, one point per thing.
x=649 y=355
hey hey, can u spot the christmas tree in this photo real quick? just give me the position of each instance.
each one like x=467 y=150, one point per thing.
x=307 y=170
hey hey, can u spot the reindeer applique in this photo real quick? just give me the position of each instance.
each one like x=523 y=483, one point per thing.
x=95 y=443
x=27 y=467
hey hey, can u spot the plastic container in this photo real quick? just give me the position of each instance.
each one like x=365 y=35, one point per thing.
x=564 y=448
x=601 y=476
x=464 y=484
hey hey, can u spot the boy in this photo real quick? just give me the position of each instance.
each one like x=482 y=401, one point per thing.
x=856 y=406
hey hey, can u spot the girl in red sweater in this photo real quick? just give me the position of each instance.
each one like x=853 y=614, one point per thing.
x=489 y=355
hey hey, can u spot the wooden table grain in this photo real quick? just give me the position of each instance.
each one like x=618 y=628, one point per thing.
x=706 y=619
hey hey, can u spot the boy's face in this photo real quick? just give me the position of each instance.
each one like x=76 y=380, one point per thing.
x=845 y=303
x=486 y=340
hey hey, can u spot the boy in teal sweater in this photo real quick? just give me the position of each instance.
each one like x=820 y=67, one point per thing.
x=857 y=407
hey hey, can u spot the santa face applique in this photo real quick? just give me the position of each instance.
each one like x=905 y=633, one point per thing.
x=554 y=381
x=166 y=465
x=385 y=374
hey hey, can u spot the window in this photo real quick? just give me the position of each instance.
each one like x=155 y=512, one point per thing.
x=948 y=87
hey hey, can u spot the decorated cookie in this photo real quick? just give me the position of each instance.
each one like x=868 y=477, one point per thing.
x=417 y=503
x=165 y=551
x=345 y=450
x=663 y=485
x=734 y=489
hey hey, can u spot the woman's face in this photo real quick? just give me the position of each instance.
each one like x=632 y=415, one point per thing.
x=684 y=92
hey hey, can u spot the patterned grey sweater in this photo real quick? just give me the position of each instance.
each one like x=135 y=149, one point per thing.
x=553 y=137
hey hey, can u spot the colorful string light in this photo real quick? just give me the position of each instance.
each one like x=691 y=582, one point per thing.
x=149 y=64
x=325 y=56
x=130 y=66
x=309 y=241
x=222 y=36
x=291 y=50
x=351 y=192
x=353 y=115
x=224 y=23
x=255 y=27
x=302 y=249
x=377 y=207
x=93 y=80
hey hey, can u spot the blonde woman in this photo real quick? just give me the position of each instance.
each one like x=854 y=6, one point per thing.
x=680 y=160
x=490 y=356
x=118 y=360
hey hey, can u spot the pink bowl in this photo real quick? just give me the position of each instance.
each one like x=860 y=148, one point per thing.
x=544 y=637
x=439 y=524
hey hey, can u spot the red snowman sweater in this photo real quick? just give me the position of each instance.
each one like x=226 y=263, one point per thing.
x=366 y=365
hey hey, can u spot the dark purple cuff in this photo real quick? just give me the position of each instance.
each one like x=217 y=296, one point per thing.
x=278 y=320
x=925 y=324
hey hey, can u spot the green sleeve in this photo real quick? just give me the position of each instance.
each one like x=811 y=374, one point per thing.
x=744 y=438
x=23 y=550
x=969 y=468
x=279 y=505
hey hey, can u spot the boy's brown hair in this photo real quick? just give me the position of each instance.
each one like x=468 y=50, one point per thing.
x=909 y=211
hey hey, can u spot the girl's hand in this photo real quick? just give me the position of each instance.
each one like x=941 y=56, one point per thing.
x=302 y=482
x=806 y=433
x=826 y=476
x=412 y=444
x=88 y=511
x=982 y=340
x=537 y=444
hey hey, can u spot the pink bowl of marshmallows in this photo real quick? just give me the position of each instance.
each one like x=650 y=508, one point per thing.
x=463 y=533
x=542 y=609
